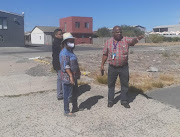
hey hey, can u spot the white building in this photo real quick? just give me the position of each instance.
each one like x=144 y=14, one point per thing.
x=168 y=30
x=42 y=35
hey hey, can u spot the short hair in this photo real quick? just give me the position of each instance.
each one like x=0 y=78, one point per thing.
x=56 y=31
x=116 y=27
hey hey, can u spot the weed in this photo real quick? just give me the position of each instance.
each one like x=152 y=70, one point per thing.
x=102 y=79
x=82 y=83
x=157 y=84
x=166 y=77
x=165 y=54
x=52 y=70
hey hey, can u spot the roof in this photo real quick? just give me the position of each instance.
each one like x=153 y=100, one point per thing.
x=138 y=26
x=46 y=28
x=167 y=26
x=22 y=15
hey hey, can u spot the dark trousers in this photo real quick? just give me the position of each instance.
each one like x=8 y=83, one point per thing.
x=69 y=90
x=113 y=73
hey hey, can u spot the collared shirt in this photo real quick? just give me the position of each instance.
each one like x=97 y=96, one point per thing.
x=68 y=60
x=117 y=51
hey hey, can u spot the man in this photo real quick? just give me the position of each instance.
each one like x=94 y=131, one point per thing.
x=116 y=51
x=56 y=48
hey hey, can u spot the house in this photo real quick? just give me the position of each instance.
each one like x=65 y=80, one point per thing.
x=11 y=29
x=80 y=27
x=140 y=27
x=42 y=35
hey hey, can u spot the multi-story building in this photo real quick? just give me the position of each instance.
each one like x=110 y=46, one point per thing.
x=80 y=27
x=11 y=29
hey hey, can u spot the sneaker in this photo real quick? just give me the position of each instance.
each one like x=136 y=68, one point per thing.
x=69 y=115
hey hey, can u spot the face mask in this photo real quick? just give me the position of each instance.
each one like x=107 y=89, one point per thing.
x=71 y=45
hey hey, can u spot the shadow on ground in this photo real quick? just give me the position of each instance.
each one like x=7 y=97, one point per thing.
x=83 y=88
x=133 y=92
x=87 y=104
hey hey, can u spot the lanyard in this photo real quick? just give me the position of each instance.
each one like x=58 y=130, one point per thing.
x=115 y=45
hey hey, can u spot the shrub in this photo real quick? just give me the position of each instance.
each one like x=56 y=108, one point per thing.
x=168 y=39
x=158 y=84
x=156 y=38
x=175 y=39
x=102 y=79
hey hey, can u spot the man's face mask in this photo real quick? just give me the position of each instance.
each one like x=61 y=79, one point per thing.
x=71 y=45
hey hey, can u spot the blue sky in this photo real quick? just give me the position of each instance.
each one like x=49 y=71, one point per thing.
x=105 y=13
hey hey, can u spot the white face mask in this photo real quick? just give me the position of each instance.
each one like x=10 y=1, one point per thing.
x=71 y=45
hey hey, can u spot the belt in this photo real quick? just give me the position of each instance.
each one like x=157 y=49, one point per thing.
x=118 y=66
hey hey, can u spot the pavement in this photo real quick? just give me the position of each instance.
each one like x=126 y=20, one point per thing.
x=29 y=107
x=169 y=95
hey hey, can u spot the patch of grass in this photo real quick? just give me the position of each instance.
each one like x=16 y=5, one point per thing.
x=166 y=77
x=157 y=84
x=52 y=70
x=81 y=67
x=165 y=54
x=102 y=79
x=82 y=83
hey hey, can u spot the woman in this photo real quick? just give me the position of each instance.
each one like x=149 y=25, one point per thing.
x=70 y=72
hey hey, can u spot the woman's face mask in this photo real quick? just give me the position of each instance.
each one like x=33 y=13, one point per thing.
x=71 y=45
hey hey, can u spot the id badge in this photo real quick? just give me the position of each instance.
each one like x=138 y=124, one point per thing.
x=113 y=55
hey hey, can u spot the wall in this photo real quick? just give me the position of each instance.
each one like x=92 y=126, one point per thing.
x=70 y=23
x=102 y=41
x=48 y=38
x=14 y=35
x=37 y=36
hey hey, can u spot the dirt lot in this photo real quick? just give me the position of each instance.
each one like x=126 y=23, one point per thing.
x=163 y=59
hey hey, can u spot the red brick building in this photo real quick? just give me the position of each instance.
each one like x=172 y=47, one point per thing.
x=79 y=27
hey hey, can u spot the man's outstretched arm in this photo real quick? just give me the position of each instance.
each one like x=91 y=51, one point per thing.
x=135 y=40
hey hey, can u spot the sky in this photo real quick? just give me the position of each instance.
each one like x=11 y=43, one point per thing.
x=105 y=13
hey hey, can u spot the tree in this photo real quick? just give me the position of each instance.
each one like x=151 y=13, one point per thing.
x=131 y=31
x=103 y=32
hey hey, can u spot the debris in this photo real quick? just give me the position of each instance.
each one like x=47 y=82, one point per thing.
x=152 y=69
x=35 y=58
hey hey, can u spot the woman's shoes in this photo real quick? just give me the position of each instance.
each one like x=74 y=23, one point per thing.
x=69 y=114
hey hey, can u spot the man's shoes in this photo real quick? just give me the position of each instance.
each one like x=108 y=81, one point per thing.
x=69 y=114
x=76 y=109
x=110 y=104
x=60 y=98
x=125 y=104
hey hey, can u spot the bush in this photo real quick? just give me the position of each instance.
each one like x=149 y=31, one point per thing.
x=102 y=79
x=168 y=39
x=156 y=38
x=131 y=31
x=175 y=39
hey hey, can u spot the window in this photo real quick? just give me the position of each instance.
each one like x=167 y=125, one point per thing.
x=3 y=23
x=77 y=24
x=65 y=26
x=1 y=38
x=86 y=25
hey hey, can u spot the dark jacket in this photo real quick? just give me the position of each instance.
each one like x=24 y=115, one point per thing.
x=56 y=48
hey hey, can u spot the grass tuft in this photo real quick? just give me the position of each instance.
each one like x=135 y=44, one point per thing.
x=157 y=84
x=102 y=79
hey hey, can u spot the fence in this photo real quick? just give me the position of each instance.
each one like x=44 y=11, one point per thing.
x=101 y=41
